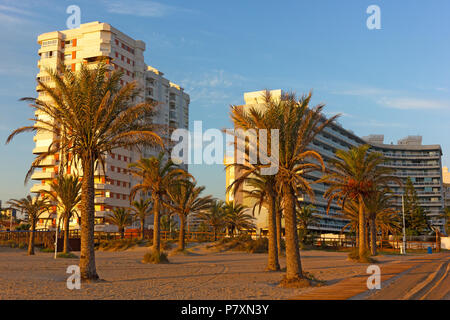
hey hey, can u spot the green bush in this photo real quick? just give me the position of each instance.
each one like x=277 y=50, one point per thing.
x=119 y=245
x=10 y=244
x=153 y=257
x=261 y=245
x=366 y=258
x=68 y=255
x=23 y=226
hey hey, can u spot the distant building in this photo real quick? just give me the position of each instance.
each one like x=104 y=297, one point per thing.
x=422 y=163
x=89 y=44
x=326 y=143
x=446 y=186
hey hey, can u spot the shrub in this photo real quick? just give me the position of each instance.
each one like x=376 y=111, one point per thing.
x=23 y=226
x=366 y=258
x=68 y=255
x=153 y=257
x=261 y=245
x=11 y=244
x=119 y=245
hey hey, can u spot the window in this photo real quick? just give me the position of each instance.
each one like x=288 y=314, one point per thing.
x=49 y=54
x=68 y=56
x=49 y=43
x=113 y=168
x=119 y=157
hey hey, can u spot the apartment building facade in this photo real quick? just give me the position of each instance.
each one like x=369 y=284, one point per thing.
x=409 y=158
x=446 y=185
x=422 y=165
x=89 y=44
x=326 y=143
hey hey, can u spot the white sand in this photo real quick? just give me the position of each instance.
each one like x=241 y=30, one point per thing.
x=205 y=275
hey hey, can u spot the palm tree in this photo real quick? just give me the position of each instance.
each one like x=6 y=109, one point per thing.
x=236 y=219
x=156 y=176
x=305 y=217
x=379 y=203
x=388 y=221
x=34 y=207
x=66 y=194
x=262 y=191
x=184 y=199
x=298 y=124
x=141 y=210
x=91 y=114
x=356 y=174
x=120 y=217
x=214 y=218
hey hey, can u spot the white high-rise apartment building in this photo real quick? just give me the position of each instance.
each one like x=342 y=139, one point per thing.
x=89 y=44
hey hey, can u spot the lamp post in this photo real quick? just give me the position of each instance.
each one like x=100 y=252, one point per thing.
x=403 y=247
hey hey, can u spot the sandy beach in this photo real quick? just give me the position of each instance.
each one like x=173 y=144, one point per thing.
x=201 y=275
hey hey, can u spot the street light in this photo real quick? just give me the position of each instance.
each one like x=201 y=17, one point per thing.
x=403 y=247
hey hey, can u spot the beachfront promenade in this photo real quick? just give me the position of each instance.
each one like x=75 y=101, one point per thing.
x=204 y=274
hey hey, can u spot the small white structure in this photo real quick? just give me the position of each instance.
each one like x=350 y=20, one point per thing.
x=445 y=243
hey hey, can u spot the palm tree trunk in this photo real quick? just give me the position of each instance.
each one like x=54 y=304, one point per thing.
x=293 y=262
x=156 y=226
x=66 y=234
x=31 y=239
x=142 y=228
x=366 y=232
x=182 y=232
x=272 y=264
x=121 y=230
x=373 y=234
x=278 y=222
x=362 y=229
x=87 y=255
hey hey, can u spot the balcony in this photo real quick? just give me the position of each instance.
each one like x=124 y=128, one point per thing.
x=392 y=155
x=40 y=175
x=47 y=162
x=418 y=165
x=98 y=200
x=100 y=186
x=38 y=150
x=37 y=188
x=102 y=214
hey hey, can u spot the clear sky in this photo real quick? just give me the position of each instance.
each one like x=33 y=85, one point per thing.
x=394 y=81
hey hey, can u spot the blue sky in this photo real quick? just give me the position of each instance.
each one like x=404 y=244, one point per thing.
x=394 y=81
